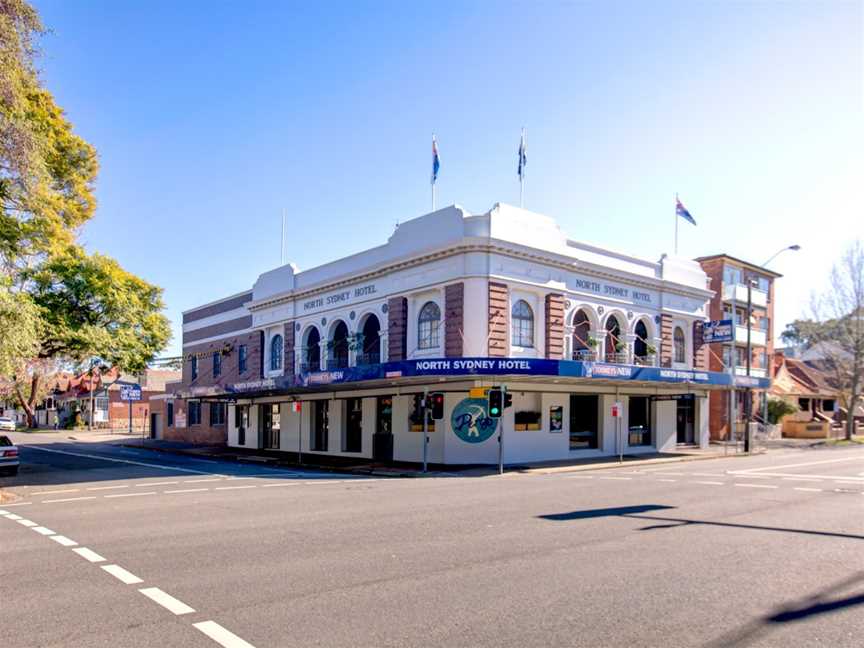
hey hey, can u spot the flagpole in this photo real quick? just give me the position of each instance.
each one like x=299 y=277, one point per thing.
x=522 y=174
x=676 y=223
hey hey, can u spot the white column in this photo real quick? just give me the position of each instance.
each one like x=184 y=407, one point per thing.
x=568 y=342
x=629 y=340
x=382 y=341
x=600 y=349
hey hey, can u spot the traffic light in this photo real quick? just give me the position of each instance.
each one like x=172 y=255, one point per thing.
x=508 y=399
x=496 y=402
x=436 y=404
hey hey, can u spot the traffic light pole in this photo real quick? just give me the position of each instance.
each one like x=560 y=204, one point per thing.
x=425 y=426
x=501 y=433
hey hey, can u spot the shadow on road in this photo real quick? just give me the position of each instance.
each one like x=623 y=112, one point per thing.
x=796 y=611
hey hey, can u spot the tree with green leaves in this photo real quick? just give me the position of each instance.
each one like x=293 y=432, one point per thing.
x=835 y=332
x=57 y=303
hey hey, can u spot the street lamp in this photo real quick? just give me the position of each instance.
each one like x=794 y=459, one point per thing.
x=794 y=248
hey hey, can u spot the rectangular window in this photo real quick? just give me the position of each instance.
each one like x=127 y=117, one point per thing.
x=194 y=367
x=270 y=425
x=217 y=413
x=353 y=440
x=217 y=364
x=100 y=403
x=731 y=275
x=763 y=284
x=169 y=413
x=242 y=356
x=241 y=422
x=639 y=421
x=320 y=425
x=583 y=422
x=194 y=412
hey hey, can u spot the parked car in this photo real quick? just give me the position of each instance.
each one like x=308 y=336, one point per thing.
x=8 y=456
x=6 y=424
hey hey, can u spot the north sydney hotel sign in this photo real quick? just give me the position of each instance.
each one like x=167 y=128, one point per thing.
x=337 y=298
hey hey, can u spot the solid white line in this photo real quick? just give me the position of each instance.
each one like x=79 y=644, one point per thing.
x=43 y=530
x=57 y=492
x=234 y=487
x=752 y=476
x=804 y=479
x=757 y=485
x=130 y=494
x=63 y=540
x=89 y=554
x=709 y=483
x=12 y=516
x=675 y=474
x=125 y=461
x=27 y=523
x=220 y=635
x=238 y=478
x=695 y=474
x=18 y=504
x=122 y=575
x=68 y=499
x=809 y=463
x=808 y=490
x=166 y=600
x=187 y=490
x=325 y=481
x=151 y=484
x=668 y=480
x=579 y=477
x=276 y=485
x=98 y=488
x=618 y=478
x=846 y=481
x=200 y=481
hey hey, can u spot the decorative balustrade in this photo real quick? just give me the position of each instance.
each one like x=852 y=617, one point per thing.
x=585 y=355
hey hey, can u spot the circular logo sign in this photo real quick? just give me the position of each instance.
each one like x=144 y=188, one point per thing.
x=470 y=420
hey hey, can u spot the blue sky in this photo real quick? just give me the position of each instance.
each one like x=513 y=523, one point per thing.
x=211 y=118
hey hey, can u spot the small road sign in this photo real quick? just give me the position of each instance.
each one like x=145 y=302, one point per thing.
x=130 y=392
x=717 y=331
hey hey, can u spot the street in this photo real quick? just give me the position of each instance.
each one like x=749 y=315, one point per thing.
x=110 y=546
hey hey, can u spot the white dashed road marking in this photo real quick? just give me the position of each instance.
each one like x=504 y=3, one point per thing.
x=130 y=494
x=283 y=484
x=186 y=490
x=234 y=487
x=57 y=492
x=757 y=486
x=68 y=499
x=89 y=554
x=220 y=635
x=166 y=600
x=151 y=484
x=709 y=483
x=12 y=516
x=27 y=523
x=98 y=488
x=63 y=540
x=43 y=530
x=808 y=490
x=122 y=575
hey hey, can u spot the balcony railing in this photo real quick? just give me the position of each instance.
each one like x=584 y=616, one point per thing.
x=738 y=293
x=644 y=361
x=616 y=358
x=307 y=367
x=758 y=337
x=368 y=358
x=585 y=355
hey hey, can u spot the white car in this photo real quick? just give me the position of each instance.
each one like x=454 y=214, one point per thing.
x=6 y=424
x=8 y=456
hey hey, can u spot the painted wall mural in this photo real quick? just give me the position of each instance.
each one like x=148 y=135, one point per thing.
x=470 y=420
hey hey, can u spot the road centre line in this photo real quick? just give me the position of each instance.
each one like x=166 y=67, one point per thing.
x=804 y=479
x=822 y=477
x=88 y=554
x=799 y=465
x=220 y=635
x=63 y=540
x=618 y=478
x=186 y=490
x=68 y=499
x=808 y=490
x=235 y=487
x=12 y=516
x=282 y=484
x=699 y=474
x=668 y=480
x=43 y=530
x=125 y=577
x=751 y=476
x=151 y=484
x=130 y=494
x=167 y=601
x=200 y=481
x=57 y=492
x=757 y=486
x=710 y=483
x=18 y=504
x=125 y=461
x=99 y=488
x=26 y=523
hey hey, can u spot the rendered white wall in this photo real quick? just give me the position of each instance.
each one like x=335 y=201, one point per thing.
x=665 y=426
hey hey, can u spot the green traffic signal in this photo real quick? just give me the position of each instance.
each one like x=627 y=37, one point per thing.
x=496 y=402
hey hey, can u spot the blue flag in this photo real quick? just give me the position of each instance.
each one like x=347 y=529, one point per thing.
x=523 y=157
x=681 y=211
x=436 y=161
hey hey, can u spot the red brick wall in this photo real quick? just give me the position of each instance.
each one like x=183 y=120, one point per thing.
x=290 y=338
x=554 y=326
x=454 y=297
x=397 y=328
x=666 y=343
x=203 y=433
x=499 y=317
x=230 y=373
x=700 y=349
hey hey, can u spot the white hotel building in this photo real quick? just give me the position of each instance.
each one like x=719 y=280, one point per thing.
x=333 y=360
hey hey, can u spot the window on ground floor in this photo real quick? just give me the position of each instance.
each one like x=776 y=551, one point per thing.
x=320 y=425
x=270 y=426
x=241 y=422
x=584 y=431
x=169 y=414
x=217 y=413
x=639 y=421
x=194 y=412
x=353 y=439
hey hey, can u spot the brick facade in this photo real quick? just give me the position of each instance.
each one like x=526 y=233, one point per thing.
x=230 y=373
x=499 y=319
x=454 y=318
x=700 y=349
x=554 y=326
x=397 y=328
x=289 y=336
x=667 y=347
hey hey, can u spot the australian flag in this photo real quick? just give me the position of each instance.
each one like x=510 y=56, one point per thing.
x=523 y=157
x=681 y=211
x=436 y=161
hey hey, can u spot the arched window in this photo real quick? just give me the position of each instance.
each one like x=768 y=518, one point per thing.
x=276 y=353
x=428 y=323
x=312 y=351
x=613 y=335
x=371 y=341
x=680 y=345
x=640 y=344
x=339 y=343
x=581 y=336
x=522 y=325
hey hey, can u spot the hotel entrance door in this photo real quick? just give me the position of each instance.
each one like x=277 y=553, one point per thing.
x=684 y=418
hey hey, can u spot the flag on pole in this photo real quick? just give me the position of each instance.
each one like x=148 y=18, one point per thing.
x=681 y=211
x=436 y=161
x=523 y=157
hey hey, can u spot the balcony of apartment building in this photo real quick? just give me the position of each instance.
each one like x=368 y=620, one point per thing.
x=737 y=292
x=758 y=335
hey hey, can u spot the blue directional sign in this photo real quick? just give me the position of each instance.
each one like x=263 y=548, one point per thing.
x=718 y=331
x=130 y=392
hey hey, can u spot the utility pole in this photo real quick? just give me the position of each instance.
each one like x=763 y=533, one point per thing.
x=425 y=410
x=748 y=402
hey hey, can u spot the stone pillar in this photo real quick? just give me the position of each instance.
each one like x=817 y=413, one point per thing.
x=397 y=328
x=666 y=343
x=629 y=340
x=568 y=342
x=600 y=349
x=454 y=297
x=288 y=359
x=382 y=346
x=554 y=326
x=499 y=320
x=700 y=349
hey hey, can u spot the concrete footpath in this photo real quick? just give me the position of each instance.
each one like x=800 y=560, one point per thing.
x=365 y=467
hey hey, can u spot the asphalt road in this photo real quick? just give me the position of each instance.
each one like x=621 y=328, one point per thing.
x=758 y=551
